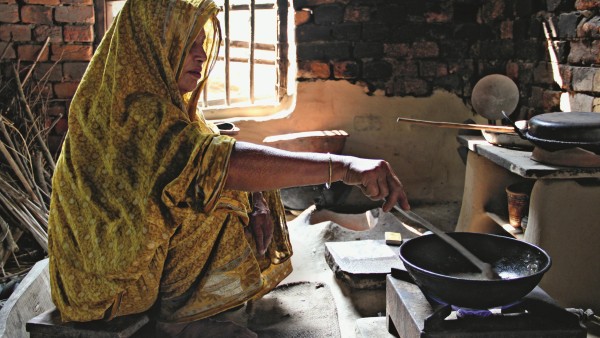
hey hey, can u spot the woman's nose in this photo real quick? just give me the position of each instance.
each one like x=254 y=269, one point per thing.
x=201 y=56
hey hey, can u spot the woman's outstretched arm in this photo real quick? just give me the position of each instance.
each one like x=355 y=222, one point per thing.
x=256 y=168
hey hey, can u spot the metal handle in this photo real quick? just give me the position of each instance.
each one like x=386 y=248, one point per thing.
x=485 y=268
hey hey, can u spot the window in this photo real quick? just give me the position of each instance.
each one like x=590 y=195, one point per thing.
x=251 y=75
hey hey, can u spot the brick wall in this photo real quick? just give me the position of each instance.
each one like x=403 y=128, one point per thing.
x=67 y=27
x=413 y=47
x=394 y=47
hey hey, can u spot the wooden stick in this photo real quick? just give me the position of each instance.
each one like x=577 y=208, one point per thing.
x=452 y=125
x=11 y=145
x=37 y=59
x=11 y=242
x=9 y=44
x=38 y=135
x=29 y=222
x=39 y=173
x=15 y=168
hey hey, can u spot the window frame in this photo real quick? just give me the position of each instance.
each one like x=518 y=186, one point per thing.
x=285 y=66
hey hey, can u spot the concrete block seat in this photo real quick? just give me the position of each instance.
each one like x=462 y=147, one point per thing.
x=49 y=325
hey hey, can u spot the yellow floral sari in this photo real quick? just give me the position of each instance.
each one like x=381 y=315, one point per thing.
x=139 y=216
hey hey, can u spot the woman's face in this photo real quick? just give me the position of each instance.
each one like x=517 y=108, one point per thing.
x=192 y=65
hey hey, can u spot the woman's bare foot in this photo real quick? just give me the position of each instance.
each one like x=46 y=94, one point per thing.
x=203 y=328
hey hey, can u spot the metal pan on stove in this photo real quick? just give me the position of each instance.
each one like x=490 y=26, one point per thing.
x=445 y=275
x=562 y=130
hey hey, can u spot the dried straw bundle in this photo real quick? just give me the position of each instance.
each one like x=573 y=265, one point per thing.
x=25 y=160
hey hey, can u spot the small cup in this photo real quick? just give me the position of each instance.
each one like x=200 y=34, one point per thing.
x=518 y=202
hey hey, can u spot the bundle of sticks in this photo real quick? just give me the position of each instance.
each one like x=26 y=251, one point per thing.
x=26 y=162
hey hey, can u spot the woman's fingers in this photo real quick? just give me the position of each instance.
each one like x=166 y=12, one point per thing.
x=258 y=236
x=378 y=181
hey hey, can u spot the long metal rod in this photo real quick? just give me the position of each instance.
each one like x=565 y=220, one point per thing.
x=452 y=125
x=252 y=38
x=485 y=268
x=282 y=49
x=227 y=75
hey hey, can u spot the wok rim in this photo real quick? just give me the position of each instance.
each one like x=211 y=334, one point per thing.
x=539 y=273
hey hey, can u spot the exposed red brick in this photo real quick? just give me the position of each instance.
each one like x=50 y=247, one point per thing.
x=72 y=52
x=566 y=74
x=77 y=2
x=15 y=32
x=416 y=86
x=73 y=71
x=61 y=126
x=48 y=71
x=74 y=14
x=345 y=70
x=506 y=30
x=319 y=2
x=357 y=14
x=425 y=49
x=581 y=5
x=42 y=32
x=9 y=13
x=78 y=33
x=65 y=90
x=30 y=52
x=56 y=110
x=512 y=70
x=301 y=17
x=43 y=2
x=590 y=28
x=8 y=1
x=583 y=52
x=491 y=10
x=44 y=91
x=438 y=17
x=9 y=53
x=55 y=143
x=314 y=69
x=433 y=69
x=396 y=49
x=551 y=100
x=36 y=14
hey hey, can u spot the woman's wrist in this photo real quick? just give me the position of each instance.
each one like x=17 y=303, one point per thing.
x=339 y=167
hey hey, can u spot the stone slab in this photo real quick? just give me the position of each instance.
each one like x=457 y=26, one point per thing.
x=362 y=264
x=372 y=327
x=30 y=298
x=49 y=325
x=519 y=162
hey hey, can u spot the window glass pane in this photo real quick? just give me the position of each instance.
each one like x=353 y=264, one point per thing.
x=266 y=26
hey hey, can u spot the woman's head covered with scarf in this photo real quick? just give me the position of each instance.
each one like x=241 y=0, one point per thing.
x=144 y=51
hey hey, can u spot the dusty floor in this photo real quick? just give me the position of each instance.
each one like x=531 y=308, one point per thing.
x=311 y=229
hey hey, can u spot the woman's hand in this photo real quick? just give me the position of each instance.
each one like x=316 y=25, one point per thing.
x=377 y=180
x=261 y=224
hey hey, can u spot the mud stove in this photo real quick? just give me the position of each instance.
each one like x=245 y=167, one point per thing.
x=411 y=314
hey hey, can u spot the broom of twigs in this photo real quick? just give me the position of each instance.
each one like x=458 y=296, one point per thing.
x=25 y=159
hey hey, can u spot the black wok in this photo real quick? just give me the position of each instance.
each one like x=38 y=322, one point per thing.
x=440 y=271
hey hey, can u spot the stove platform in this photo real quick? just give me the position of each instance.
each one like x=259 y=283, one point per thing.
x=410 y=314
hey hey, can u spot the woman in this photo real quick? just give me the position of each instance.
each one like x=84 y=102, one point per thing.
x=150 y=205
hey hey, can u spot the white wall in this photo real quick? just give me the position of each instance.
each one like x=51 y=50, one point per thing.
x=425 y=158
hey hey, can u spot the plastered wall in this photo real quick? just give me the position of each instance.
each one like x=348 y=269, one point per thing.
x=425 y=158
